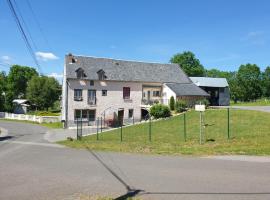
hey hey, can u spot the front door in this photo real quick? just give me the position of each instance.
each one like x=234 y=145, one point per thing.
x=120 y=116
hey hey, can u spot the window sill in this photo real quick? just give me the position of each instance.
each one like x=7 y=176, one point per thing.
x=127 y=100
x=78 y=99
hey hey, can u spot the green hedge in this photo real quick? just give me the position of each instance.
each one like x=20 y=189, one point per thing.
x=180 y=106
x=160 y=111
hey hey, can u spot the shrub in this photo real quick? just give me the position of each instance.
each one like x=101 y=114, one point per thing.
x=172 y=103
x=203 y=102
x=180 y=106
x=160 y=111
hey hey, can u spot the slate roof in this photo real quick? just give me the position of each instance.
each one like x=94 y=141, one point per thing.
x=120 y=70
x=209 y=82
x=187 y=89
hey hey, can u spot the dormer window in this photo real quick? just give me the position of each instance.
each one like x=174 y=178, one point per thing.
x=80 y=73
x=101 y=75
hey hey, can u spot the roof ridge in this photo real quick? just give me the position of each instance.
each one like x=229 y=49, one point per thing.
x=124 y=60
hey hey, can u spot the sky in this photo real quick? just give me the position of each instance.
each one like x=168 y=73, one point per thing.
x=223 y=34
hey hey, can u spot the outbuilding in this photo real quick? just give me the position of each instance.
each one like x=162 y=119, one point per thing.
x=20 y=106
x=217 y=88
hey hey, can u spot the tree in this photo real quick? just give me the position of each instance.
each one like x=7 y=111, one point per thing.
x=236 y=92
x=266 y=82
x=249 y=81
x=215 y=73
x=172 y=103
x=43 y=91
x=189 y=63
x=17 y=80
x=2 y=91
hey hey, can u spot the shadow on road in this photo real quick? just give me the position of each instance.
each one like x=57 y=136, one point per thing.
x=131 y=192
x=6 y=138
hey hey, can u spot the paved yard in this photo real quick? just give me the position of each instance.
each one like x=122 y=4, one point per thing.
x=32 y=168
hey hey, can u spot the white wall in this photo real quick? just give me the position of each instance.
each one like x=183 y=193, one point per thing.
x=167 y=94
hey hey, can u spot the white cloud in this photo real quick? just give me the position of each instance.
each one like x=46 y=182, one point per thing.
x=112 y=47
x=58 y=77
x=255 y=37
x=55 y=75
x=45 y=56
x=5 y=59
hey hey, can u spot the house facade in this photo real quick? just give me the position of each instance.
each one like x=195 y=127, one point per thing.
x=110 y=88
x=217 y=88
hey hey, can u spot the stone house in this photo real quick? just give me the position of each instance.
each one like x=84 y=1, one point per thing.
x=109 y=88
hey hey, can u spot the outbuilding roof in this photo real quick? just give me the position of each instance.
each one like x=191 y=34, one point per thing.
x=209 y=82
x=20 y=101
x=121 y=70
x=187 y=89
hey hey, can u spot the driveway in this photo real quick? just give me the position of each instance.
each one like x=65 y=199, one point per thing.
x=258 y=108
x=32 y=168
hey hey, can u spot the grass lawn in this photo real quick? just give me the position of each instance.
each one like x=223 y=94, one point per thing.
x=259 y=102
x=250 y=135
x=49 y=125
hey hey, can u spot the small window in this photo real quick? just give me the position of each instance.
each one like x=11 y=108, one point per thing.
x=130 y=113
x=80 y=73
x=91 y=83
x=101 y=75
x=126 y=92
x=104 y=92
x=156 y=93
x=78 y=95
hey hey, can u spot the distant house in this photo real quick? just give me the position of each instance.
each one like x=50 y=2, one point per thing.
x=218 y=88
x=94 y=86
x=20 y=106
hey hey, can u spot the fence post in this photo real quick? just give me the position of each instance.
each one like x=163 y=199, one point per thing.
x=228 y=125
x=121 y=131
x=101 y=124
x=77 y=127
x=133 y=119
x=150 y=131
x=200 y=127
x=97 y=127
x=185 y=130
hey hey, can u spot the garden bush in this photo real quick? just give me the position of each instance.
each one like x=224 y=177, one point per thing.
x=172 y=103
x=160 y=111
x=203 y=102
x=180 y=106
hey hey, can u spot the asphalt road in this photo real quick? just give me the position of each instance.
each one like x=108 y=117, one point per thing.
x=31 y=168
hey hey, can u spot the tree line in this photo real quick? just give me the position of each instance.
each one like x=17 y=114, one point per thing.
x=23 y=82
x=248 y=83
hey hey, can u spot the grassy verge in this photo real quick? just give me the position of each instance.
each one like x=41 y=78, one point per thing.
x=259 y=102
x=249 y=135
x=49 y=125
x=44 y=113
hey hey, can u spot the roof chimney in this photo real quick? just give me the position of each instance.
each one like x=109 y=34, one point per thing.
x=71 y=59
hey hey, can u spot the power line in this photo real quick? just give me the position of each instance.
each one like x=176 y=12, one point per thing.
x=38 y=24
x=25 y=25
x=24 y=36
